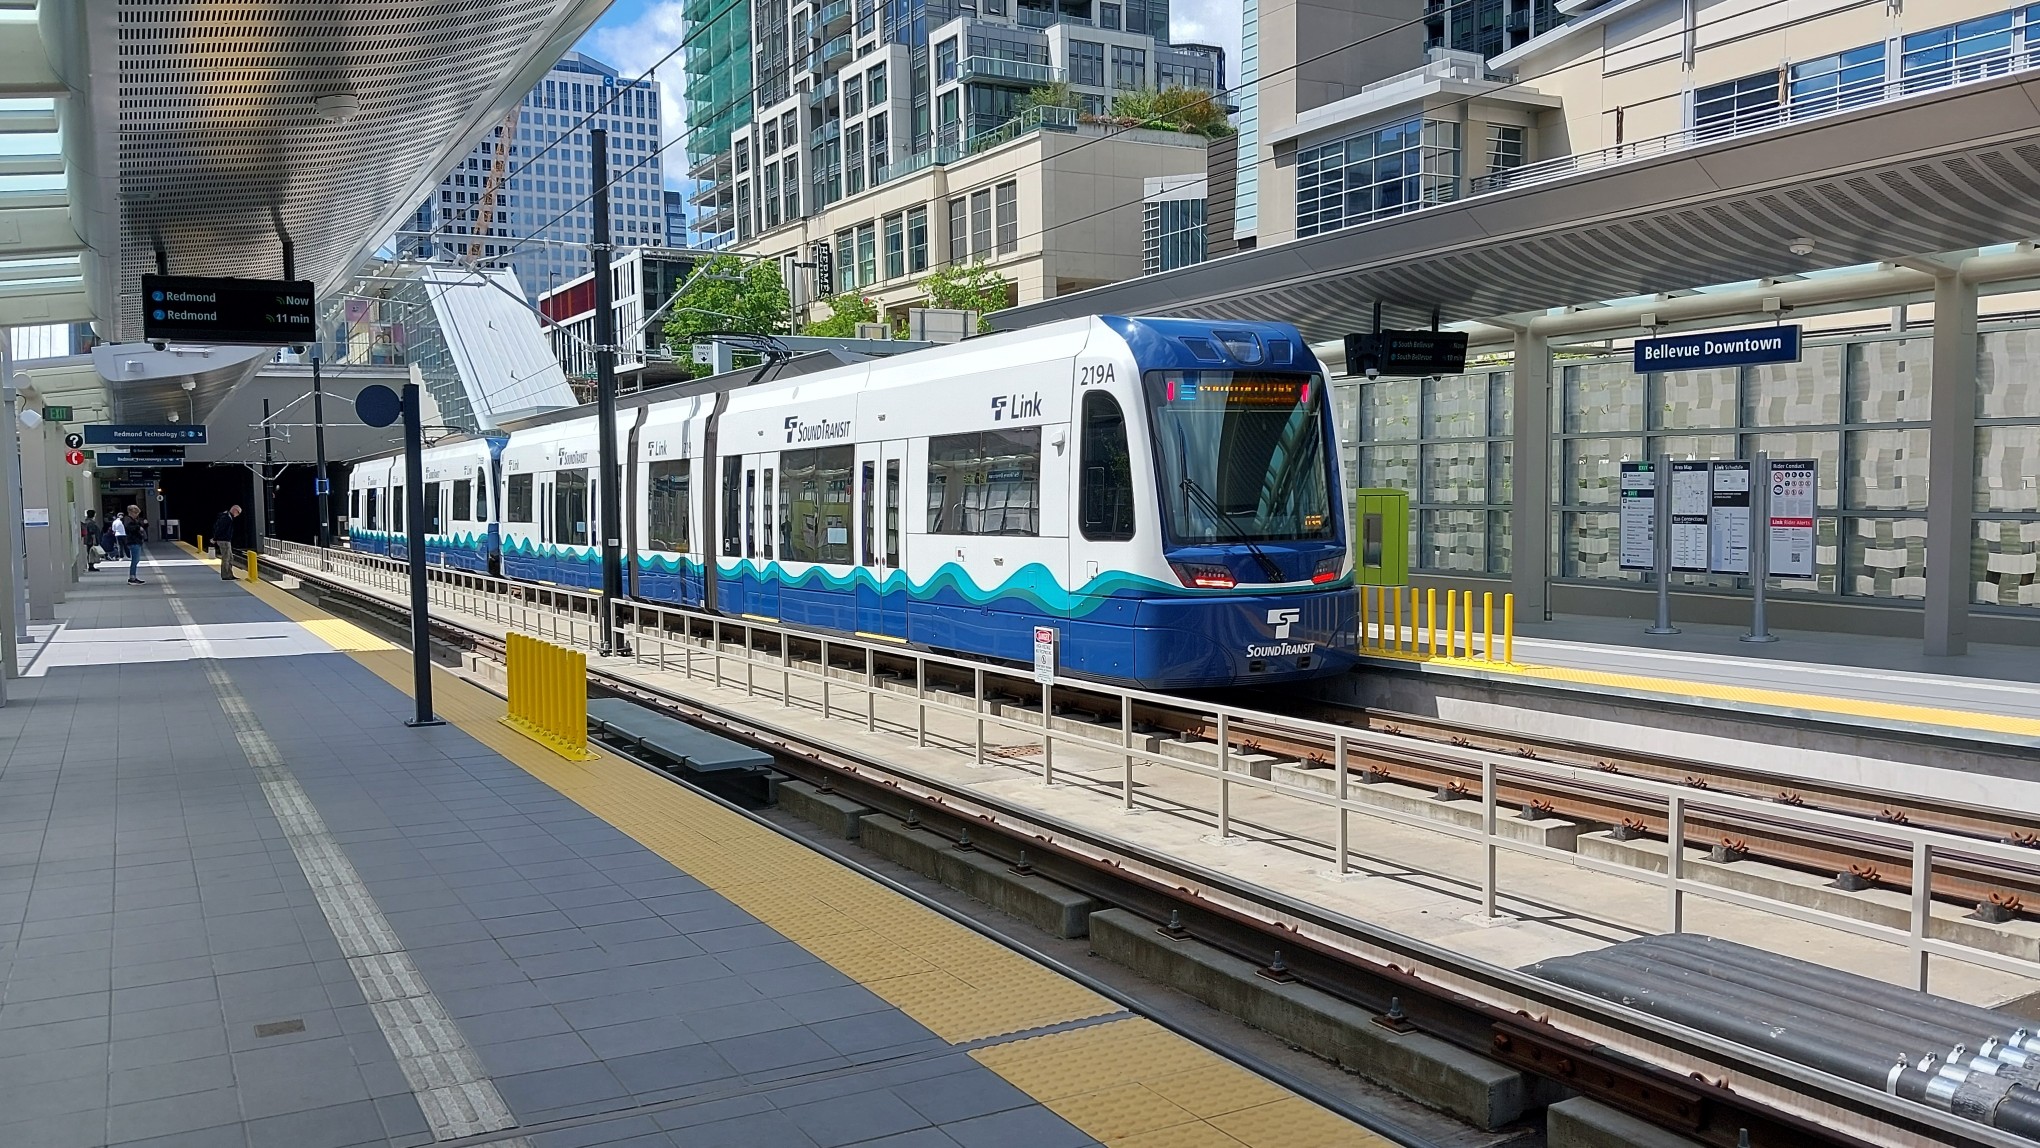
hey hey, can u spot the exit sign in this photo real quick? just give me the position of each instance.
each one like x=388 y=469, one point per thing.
x=57 y=414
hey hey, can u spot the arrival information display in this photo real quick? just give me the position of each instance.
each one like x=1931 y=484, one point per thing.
x=258 y=312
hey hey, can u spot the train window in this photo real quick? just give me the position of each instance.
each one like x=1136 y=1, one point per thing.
x=372 y=523
x=892 y=512
x=765 y=513
x=867 y=537
x=354 y=504
x=985 y=482
x=397 y=507
x=732 y=508
x=481 y=500
x=667 y=512
x=432 y=509
x=819 y=482
x=784 y=515
x=520 y=498
x=750 y=514
x=570 y=507
x=463 y=499
x=1105 y=494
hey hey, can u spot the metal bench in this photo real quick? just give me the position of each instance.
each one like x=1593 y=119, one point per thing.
x=716 y=763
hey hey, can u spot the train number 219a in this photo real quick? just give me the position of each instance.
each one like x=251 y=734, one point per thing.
x=1089 y=374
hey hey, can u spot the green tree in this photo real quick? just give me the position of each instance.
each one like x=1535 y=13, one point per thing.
x=726 y=295
x=967 y=287
x=845 y=312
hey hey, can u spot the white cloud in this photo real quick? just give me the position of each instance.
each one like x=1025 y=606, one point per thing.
x=1210 y=22
x=633 y=47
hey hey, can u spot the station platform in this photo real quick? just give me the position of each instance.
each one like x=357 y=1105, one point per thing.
x=1991 y=693
x=242 y=903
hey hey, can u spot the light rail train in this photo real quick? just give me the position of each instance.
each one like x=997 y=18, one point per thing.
x=1163 y=494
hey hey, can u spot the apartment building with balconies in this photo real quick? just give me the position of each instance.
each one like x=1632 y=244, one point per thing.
x=870 y=114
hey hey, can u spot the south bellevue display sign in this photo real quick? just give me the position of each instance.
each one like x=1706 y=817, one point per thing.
x=1739 y=348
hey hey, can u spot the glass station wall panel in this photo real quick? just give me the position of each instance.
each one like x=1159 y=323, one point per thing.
x=2005 y=552
x=1437 y=438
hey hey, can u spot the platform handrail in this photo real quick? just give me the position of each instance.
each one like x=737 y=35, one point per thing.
x=645 y=633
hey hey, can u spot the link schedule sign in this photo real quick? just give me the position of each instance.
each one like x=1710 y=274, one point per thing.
x=252 y=312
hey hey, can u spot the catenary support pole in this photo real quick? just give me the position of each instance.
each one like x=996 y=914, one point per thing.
x=1530 y=518
x=611 y=494
x=321 y=485
x=1661 y=519
x=268 y=477
x=414 y=540
x=1951 y=467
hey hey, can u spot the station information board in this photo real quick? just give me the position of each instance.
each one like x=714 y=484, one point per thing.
x=1639 y=516
x=1711 y=524
x=1795 y=489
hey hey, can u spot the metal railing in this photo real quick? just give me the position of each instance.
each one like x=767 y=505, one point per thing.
x=834 y=50
x=830 y=14
x=999 y=68
x=748 y=653
x=1042 y=118
x=823 y=92
x=1800 y=108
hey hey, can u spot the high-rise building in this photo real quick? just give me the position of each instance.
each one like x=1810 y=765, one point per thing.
x=537 y=219
x=902 y=137
x=676 y=218
x=717 y=56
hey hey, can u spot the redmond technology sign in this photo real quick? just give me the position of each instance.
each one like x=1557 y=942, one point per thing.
x=1718 y=349
x=259 y=312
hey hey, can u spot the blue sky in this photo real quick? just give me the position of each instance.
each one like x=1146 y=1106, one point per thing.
x=633 y=34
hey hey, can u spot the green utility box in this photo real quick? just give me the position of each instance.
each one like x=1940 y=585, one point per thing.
x=1381 y=537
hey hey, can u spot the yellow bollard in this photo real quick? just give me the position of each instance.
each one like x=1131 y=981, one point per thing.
x=1431 y=609
x=1363 y=618
x=201 y=543
x=1487 y=610
x=1509 y=629
x=1451 y=623
x=1392 y=592
x=1468 y=611
x=254 y=567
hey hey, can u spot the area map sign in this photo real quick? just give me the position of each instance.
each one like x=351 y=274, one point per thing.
x=258 y=312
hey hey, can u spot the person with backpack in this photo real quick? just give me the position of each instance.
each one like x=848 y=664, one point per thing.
x=129 y=526
x=88 y=535
x=223 y=540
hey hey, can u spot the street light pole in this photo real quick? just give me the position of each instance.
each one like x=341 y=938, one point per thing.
x=610 y=511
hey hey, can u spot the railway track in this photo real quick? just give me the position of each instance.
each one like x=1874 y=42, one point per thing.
x=1678 y=1079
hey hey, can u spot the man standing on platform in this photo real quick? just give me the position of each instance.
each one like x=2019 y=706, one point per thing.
x=223 y=540
x=88 y=533
x=129 y=526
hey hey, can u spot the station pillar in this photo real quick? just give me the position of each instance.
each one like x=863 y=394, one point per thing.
x=1951 y=466
x=41 y=498
x=1530 y=510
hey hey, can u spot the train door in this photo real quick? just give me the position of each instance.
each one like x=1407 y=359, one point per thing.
x=434 y=524
x=882 y=600
x=548 y=555
x=761 y=530
x=1103 y=613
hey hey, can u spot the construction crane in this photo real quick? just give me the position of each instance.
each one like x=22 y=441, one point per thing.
x=499 y=171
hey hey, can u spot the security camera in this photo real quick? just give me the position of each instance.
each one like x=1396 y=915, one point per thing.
x=189 y=384
x=1374 y=372
x=160 y=345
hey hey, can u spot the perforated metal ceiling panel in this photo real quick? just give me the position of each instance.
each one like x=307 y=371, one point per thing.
x=221 y=144
x=1955 y=169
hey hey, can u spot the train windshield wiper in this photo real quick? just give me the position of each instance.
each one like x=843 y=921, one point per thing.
x=1211 y=507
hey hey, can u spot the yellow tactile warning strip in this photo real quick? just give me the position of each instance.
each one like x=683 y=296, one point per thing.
x=1128 y=1083
x=1971 y=720
x=1133 y=1084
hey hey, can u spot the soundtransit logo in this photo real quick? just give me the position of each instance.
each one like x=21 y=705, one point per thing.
x=798 y=431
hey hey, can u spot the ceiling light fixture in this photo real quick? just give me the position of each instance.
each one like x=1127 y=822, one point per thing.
x=339 y=107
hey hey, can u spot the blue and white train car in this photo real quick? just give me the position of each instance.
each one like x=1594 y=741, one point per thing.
x=1163 y=494
x=461 y=528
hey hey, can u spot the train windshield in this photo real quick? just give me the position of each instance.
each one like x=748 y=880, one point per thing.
x=1241 y=455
